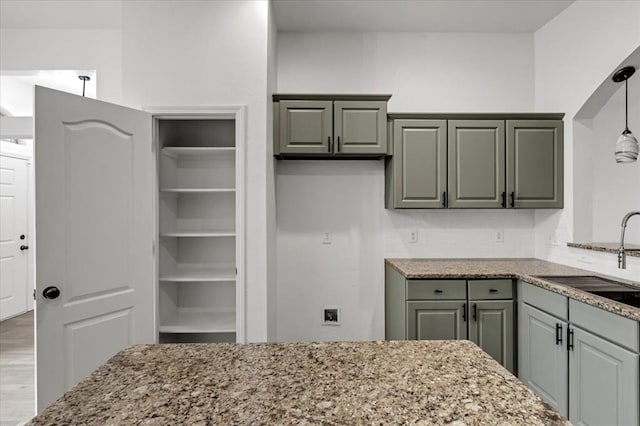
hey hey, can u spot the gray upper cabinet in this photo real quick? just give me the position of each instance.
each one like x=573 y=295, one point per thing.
x=535 y=163
x=305 y=127
x=476 y=163
x=360 y=127
x=330 y=126
x=418 y=168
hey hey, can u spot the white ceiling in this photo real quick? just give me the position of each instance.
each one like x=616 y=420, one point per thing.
x=68 y=14
x=470 y=16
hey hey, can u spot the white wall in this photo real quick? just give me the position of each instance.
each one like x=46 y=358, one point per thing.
x=210 y=53
x=424 y=72
x=574 y=54
x=272 y=288
x=67 y=49
x=616 y=187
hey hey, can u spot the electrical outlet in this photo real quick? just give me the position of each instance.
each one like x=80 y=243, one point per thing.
x=499 y=235
x=413 y=236
x=326 y=238
x=331 y=315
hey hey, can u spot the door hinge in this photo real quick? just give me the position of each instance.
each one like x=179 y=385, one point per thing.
x=34 y=294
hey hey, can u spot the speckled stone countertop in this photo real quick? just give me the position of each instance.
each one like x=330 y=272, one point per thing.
x=631 y=249
x=351 y=383
x=528 y=270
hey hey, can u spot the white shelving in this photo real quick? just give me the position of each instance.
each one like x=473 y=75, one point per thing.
x=197 y=190
x=193 y=234
x=199 y=151
x=197 y=228
x=192 y=320
x=199 y=274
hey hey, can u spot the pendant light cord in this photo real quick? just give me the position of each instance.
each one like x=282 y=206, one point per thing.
x=626 y=106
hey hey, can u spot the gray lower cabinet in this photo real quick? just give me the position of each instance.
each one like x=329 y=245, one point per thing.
x=416 y=174
x=543 y=364
x=535 y=163
x=426 y=309
x=491 y=328
x=476 y=152
x=603 y=382
x=330 y=126
x=436 y=320
x=582 y=360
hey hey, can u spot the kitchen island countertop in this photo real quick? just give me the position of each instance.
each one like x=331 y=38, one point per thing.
x=397 y=382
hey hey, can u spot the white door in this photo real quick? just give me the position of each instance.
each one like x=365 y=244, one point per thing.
x=94 y=229
x=14 y=244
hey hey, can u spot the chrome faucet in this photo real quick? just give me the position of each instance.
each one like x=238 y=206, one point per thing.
x=622 y=254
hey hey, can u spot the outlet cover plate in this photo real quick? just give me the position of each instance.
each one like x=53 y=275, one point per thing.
x=331 y=315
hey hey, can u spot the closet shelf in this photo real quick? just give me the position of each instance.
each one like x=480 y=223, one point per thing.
x=197 y=190
x=190 y=274
x=203 y=233
x=175 y=151
x=195 y=320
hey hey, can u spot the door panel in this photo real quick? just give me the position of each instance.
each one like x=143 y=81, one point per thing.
x=439 y=320
x=13 y=223
x=476 y=163
x=542 y=360
x=603 y=382
x=420 y=163
x=491 y=328
x=94 y=196
x=306 y=127
x=360 y=127
x=535 y=163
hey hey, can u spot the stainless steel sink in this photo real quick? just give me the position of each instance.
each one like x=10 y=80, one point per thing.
x=611 y=289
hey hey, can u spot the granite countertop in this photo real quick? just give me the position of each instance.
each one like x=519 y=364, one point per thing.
x=631 y=249
x=527 y=270
x=398 y=382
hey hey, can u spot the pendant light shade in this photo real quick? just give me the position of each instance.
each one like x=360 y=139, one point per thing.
x=627 y=145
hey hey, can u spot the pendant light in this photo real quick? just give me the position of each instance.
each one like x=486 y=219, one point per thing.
x=84 y=79
x=627 y=144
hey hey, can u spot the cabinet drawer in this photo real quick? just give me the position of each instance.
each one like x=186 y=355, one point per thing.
x=618 y=329
x=545 y=300
x=490 y=289
x=436 y=289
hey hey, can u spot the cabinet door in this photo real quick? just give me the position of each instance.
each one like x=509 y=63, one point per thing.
x=535 y=163
x=437 y=320
x=419 y=163
x=306 y=127
x=491 y=328
x=603 y=382
x=542 y=356
x=360 y=127
x=476 y=163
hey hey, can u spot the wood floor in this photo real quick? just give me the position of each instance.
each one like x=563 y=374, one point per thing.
x=17 y=387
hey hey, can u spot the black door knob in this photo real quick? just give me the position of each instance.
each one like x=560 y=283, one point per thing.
x=22 y=237
x=51 y=292
x=23 y=248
